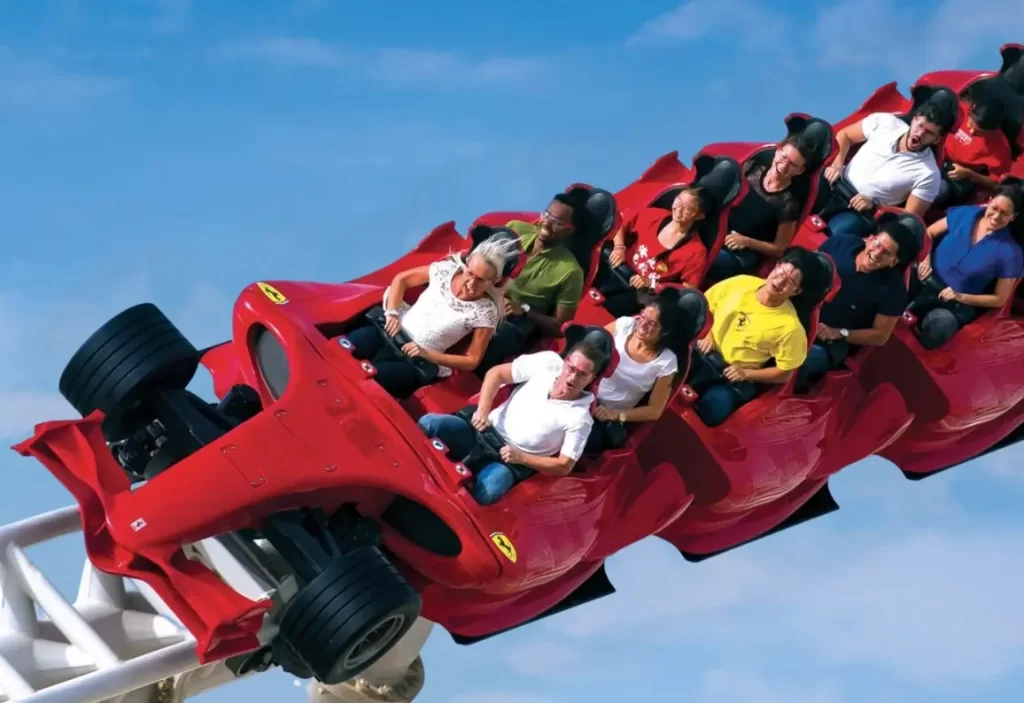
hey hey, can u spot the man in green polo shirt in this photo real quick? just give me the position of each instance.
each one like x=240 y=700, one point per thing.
x=547 y=291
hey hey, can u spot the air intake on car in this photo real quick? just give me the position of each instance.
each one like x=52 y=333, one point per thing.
x=271 y=361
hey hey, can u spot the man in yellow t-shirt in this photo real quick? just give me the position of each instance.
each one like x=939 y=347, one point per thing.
x=755 y=322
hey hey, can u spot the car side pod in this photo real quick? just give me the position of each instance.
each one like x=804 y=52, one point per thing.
x=224 y=622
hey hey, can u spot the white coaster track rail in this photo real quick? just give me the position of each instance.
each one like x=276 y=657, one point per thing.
x=112 y=644
x=116 y=644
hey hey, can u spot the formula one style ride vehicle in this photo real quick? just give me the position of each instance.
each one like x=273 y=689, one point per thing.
x=307 y=468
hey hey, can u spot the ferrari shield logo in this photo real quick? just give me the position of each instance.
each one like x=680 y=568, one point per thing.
x=273 y=293
x=504 y=545
x=661 y=267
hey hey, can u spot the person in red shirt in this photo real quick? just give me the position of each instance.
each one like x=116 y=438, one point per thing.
x=657 y=246
x=978 y=154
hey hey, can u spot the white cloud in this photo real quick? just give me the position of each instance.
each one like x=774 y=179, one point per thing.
x=749 y=23
x=928 y=606
x=721 y=685
x=385 y=64
x=542 y=659
x=862 y=33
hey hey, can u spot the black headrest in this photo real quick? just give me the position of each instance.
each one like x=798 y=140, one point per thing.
x=719 y=178
x=946 y=99
x=816 y=132
x=601 y=211
x=818 y=282
x=598 y=336
x=694 y=307
x=481 y=233
x=1012 y=69
x=830 y=268
x=596 y=224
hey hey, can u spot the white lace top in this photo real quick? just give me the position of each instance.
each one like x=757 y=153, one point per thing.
x=438 y=320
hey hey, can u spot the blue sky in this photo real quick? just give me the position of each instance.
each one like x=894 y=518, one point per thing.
x=175 y=151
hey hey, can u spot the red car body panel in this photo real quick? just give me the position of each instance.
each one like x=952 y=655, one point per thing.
x=336 y=437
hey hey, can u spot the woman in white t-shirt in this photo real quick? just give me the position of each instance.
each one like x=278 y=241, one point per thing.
x=462 y=298
x=647 y=365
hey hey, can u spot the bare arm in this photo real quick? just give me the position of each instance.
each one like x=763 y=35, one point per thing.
x=551 y=465
x=551 y=326
x=783 y=237
x=772 y=374
x=917 y=206
x=1004 y=286
x=874 y=336
x=656 y=405
x=846 y=138
x=938 y=228
x=494 y=379
x=410 y=278
x=471 y=359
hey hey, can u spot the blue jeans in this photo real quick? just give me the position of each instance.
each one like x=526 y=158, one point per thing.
x=732 y=263
x=494 y=479
x=716 y=403
x=849 y=222
x=816 y=365
x=399 y=378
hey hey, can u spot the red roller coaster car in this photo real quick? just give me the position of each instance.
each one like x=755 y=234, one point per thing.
x=374 y=521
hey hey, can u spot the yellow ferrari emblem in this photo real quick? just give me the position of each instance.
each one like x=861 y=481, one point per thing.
x=504 y=545
x=273 y=293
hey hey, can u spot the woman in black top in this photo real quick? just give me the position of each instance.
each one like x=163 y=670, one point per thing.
x=762 y=225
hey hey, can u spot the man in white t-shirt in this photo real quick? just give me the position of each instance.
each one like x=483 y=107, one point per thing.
x=545 y=423
x=895 y=166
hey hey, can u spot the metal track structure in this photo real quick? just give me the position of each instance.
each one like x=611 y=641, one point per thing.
x=118 y=642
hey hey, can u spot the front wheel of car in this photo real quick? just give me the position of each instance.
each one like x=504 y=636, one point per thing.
x=136 y=351
x=349 y=616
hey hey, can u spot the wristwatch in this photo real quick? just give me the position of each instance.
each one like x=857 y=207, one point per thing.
x=622 y=418
x=525 y=307
x=844 y=333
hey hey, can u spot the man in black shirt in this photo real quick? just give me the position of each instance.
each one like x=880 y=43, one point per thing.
x=870 y=301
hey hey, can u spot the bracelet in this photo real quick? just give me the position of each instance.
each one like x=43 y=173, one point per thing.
x=391 y=312
x=618 y=246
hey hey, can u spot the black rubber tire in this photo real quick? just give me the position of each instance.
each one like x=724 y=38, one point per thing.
x=134 y=352
x=362 y=601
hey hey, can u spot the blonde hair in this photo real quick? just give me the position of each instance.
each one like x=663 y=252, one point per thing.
x=496 y=251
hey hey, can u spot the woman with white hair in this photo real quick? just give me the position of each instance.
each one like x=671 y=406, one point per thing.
x=464 y=296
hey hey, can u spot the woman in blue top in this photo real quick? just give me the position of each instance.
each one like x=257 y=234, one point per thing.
x=975 y=249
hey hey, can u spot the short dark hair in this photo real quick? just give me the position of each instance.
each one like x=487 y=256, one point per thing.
x=592 y=351
x=576 y=199
x=814 y=278
x=940 y=113
x=907 y=246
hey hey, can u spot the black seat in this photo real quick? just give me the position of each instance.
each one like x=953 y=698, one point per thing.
x=922 y=95
x=913 y=223
x=818 y=133
x=599 y=337
x=996 y=94
x=809 y=301
x=719 y=178
x=1012 y=69
x=598 y=220
x=821 y=138
x=695 y=307
x=481 y=233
